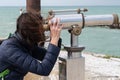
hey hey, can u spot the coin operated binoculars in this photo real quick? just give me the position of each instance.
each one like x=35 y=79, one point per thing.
x=71 y=67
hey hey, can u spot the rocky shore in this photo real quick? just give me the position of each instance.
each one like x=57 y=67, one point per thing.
x=96 y=68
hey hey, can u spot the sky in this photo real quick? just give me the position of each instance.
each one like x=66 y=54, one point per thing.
x=61 y=2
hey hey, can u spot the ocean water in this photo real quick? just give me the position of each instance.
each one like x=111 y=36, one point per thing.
x=94 y=39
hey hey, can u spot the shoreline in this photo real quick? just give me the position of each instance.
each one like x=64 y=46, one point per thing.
x=106 y=56
x=96 y=68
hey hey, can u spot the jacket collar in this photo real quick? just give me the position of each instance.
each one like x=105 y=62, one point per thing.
x=21 y=40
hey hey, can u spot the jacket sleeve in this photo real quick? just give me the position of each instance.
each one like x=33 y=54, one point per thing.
x=24 y=61
x=39 y=53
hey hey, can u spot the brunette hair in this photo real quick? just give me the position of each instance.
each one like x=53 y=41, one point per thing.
x=30 y=27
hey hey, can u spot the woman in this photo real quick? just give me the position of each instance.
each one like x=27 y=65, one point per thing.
x=21 y=54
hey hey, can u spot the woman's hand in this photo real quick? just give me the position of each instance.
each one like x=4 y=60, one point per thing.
x=55 y=30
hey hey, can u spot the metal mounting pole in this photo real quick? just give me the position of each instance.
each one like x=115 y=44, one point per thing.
x=72 y=67
x=33 y=6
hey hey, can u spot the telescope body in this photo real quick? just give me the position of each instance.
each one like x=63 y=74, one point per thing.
x=87 y=20
x=96 y=20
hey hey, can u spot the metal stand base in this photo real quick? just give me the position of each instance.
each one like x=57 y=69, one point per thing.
x=72 y=68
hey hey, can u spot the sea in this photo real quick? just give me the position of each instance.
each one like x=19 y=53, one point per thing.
x=101 y=40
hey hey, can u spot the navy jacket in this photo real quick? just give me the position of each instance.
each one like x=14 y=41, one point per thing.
x=21 y=59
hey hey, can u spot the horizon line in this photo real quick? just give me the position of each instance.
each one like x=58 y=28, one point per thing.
x=56 y=5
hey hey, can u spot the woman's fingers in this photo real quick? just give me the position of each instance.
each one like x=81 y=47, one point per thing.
x=50 y=23
x=55 y=29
